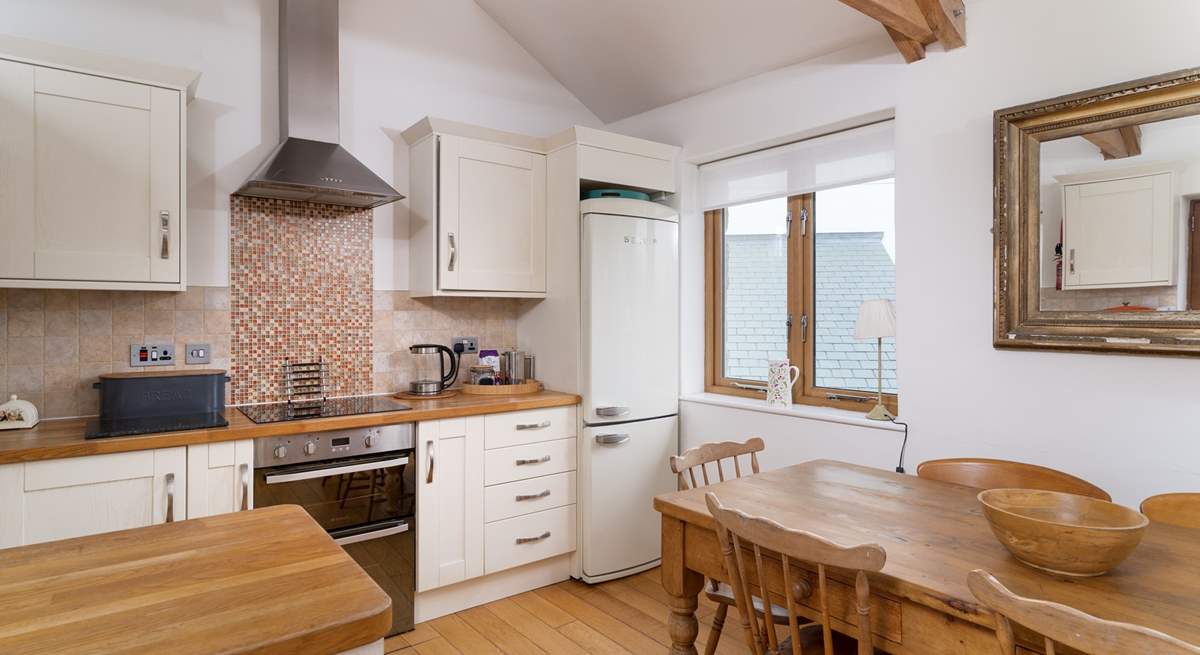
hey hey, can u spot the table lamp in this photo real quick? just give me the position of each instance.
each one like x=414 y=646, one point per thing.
x=876 y=320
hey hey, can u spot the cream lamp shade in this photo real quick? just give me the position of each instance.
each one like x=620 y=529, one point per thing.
x=876 y=319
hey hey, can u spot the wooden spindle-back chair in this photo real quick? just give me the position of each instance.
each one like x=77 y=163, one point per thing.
x=741 y=534
x=1062 y=625
x=692 y=468
x=704 y=456
x=998 y=473
x=1182 y=509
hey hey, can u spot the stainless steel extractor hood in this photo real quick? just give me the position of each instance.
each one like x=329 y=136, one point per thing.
x=309 y=165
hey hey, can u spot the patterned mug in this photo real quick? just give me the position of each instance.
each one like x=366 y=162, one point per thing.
x=781 y=377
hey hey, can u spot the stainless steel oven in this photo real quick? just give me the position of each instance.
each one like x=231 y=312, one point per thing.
x=360 y=486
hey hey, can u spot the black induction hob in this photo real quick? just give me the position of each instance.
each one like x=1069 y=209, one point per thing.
x=294 y=411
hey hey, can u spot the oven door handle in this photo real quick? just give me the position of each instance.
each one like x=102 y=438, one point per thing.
x=374 y=534
x=276 y=478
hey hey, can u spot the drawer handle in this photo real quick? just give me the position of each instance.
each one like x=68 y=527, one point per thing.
x=612 y=439
x=523 y=497
x=533 y=426
x=611 y=412
x=526 y=462
x=533 y=540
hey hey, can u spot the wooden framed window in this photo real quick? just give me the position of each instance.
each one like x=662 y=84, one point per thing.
x=784 y=279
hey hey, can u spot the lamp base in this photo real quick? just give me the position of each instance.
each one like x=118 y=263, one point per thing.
x=879 y=413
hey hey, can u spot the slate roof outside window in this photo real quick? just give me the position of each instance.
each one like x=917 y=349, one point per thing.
x=850 y=267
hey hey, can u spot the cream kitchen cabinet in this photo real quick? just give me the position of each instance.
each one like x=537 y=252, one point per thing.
x=220 y=477
x=1120 y=232
x=58 y=499
x=477 y=219
x=449 y=501
x=494 y=492
x=93 y=195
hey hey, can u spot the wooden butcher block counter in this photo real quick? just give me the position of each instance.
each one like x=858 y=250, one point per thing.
x=262 y=581
x=56 y=439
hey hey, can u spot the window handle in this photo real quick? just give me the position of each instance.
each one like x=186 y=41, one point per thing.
x=752 y=387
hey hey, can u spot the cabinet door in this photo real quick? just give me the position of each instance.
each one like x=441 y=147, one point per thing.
x=16 y=170
x=219 y=478
x=1119 y=233
x=449 y=501
x=106 y=161
x=492 y=217
x=64 y=498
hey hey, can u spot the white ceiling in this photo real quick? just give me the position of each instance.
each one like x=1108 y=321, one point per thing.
x=623 y=57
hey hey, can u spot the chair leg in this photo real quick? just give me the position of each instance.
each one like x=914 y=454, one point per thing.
x=714 y=633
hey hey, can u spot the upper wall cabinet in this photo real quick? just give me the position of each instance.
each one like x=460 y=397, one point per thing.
x=478 y=199
x=94 y=161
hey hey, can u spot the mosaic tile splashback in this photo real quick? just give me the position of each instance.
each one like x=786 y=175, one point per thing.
x=300 y=288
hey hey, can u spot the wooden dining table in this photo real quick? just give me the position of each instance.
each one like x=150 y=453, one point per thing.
x=934 y=534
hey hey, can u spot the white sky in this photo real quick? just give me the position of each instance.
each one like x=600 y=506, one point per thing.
x=868 y=207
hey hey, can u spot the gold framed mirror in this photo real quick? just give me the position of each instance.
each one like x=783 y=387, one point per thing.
x=1096 y=203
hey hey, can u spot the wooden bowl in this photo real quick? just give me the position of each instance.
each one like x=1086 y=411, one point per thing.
x=1063 y=533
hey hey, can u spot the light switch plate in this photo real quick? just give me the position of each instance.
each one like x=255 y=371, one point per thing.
x=151 y=354
x=470 y=344
x=198 y=353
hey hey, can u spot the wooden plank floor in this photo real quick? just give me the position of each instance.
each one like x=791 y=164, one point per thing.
x=620 y=617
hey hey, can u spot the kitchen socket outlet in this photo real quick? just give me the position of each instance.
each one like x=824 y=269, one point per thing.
x=151 y=354
x=198 y=353
x=470 y=345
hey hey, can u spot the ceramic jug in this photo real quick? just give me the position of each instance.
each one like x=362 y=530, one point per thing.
x=781 y=377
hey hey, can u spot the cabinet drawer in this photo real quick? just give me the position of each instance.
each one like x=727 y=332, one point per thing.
x=528 y=461
x=503 y=501
x=528 y=538
x=516 y=428
x=623 y=168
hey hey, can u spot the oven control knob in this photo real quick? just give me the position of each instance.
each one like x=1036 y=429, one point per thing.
x=280 y=452
x=310 y=448
x=370 y=440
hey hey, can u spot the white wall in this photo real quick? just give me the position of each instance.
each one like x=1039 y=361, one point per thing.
x=1125 y=423
x=400 y=60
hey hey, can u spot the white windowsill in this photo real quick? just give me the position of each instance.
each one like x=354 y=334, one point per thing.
x=799 y=411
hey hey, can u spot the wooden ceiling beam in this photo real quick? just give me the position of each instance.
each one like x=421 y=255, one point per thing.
x=914 y=24
x=1118 y=143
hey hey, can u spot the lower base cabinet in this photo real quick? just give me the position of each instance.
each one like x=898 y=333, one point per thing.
x=64 y=498
x=79 y=496
x=493 y=493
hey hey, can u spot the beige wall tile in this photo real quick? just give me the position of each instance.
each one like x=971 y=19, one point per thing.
x=216 y=322
x=216 y=298
x=61 y=300
x=193 y=298
x=95 y=322
x=161 y=301
x=128 y=321
x=189 y=323
x=25 y=350
x=59 y=404
x=90 y=299
x=25 y=299
x=160 y=321
x=3 y=323
x=129 y=300
x=62 y=350
x=25 y=379
x=95 y=349
x=383 y=300
x=61 y=377
x=62 y=323
x=26 y=323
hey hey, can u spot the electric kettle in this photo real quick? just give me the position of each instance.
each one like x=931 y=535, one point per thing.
x=432 y=377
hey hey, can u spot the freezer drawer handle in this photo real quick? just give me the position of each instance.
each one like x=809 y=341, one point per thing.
x=611 y=439
x=524 y=497
x=533 y=426
x=526 y=462
x=533 y=540
x=611 y=412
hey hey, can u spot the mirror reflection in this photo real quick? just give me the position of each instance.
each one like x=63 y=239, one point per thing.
x=1116 y=219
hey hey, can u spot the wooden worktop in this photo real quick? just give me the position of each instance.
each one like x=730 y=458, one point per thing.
x=264 y=581
x=60 y=438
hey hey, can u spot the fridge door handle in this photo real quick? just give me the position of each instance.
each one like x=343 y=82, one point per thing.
x=612 y=411
x=612 y=439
